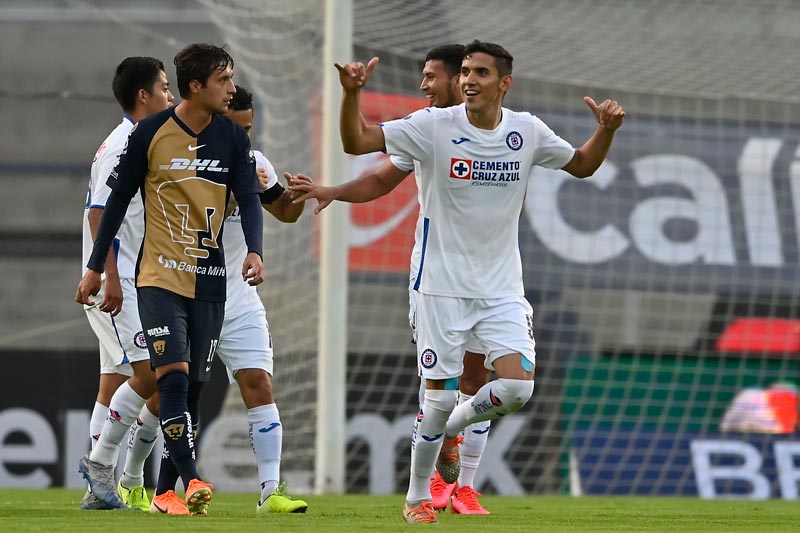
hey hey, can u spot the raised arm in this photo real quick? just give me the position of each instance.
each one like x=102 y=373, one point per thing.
x=357 y=136
x=362 y=189
x=590 y=156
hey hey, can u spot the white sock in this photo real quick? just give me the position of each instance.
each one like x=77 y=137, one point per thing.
x=142 y=438
x=122 y=412
x=266 y=438
x=475 y=436
x=99 y=413
x=493 y=400
x=430 y=434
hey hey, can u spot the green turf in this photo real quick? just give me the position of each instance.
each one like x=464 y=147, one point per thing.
x=57 y=510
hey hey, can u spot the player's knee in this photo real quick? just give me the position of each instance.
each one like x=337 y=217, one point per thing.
x=253 y=380
x=174 y=384
x=440 y=400
x=513 y=393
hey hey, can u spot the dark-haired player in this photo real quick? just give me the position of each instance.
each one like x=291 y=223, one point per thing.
x=474 y=163
x=185 y=162
x=126 y=380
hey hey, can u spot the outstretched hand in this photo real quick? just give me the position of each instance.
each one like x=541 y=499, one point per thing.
x=303 y=188
x=354 y=75
x=609 y=114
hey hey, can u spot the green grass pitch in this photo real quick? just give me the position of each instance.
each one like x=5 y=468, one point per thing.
x=57 y=510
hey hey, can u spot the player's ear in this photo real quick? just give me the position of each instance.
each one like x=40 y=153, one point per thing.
x=142 y=96
x=195 y=86
x=505 y=83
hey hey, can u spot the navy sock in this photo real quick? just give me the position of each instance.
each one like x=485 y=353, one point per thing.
x=176 y=425
x=167 y=474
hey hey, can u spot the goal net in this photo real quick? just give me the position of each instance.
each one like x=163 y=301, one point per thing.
x=665 y=287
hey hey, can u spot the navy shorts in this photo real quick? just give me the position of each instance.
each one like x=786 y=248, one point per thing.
x=180 y=329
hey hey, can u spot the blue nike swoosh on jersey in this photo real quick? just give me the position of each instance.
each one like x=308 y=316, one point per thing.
x=481 y=431
x=269 y=428
x=151 y=441
x=431 y=439
x=461 y=140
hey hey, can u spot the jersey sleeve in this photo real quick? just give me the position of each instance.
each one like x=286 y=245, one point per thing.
x=263 y=162
x=101 y=170
x=243 y=180
x=410 y=137
x=129 y=174
x=551 y=150
x=401 y=162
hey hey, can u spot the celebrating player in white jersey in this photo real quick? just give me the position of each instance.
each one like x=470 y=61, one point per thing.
x=474 y=163
x=245 y=345
x=440 y=85
x=126 y=380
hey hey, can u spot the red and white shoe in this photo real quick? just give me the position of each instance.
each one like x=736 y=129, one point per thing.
x=441 y=492
x=465 y=501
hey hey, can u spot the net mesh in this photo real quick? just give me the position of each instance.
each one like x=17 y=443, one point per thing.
x=663 y=287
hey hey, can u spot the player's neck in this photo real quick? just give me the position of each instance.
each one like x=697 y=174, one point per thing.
x=195 y=117
x=487 y=118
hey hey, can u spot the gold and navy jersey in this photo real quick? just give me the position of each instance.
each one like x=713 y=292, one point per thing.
x=185 y=180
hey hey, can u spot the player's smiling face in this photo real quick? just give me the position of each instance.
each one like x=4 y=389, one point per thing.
x=219 y=90
x=481 y=85
x=439 y=87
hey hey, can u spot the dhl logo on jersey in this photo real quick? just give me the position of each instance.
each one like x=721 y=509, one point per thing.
x=181 y=163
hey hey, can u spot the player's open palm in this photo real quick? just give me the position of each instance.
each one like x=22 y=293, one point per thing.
x=609 y=114
x=89 y=286
x=253 y=269
x=305 y=189
x=354 y=75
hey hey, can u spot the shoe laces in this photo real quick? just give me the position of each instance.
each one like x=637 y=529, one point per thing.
x=468 y=497
x=424 y=512
x=438 y=484
x=281 y=491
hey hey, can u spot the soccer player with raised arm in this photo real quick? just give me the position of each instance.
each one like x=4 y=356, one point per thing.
x=440 y=75
x=141 y=87
x=245 y=345
x=185 y=162
x=474 y=163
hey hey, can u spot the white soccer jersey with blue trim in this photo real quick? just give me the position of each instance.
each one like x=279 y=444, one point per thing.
x=240 y=296
x=472 y=184
x=129 y=237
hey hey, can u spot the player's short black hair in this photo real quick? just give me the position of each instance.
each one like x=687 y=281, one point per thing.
x=132 y=75
x=197 y=62
x=242 y=100
x=449 y=54
x=502 y=58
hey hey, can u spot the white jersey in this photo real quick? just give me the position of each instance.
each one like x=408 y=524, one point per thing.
x=241 y=297
x=472 y=185
x=404 y=163
x=130 y=234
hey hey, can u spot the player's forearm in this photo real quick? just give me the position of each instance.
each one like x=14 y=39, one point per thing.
x=95 y=216
x=590 y=156
x=252 y=222
x=113 y=215
x=363 y=189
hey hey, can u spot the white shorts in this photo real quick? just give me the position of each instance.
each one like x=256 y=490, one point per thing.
x=502 y=326
x=245 y=342
x=122 y=340
x=471 y=345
